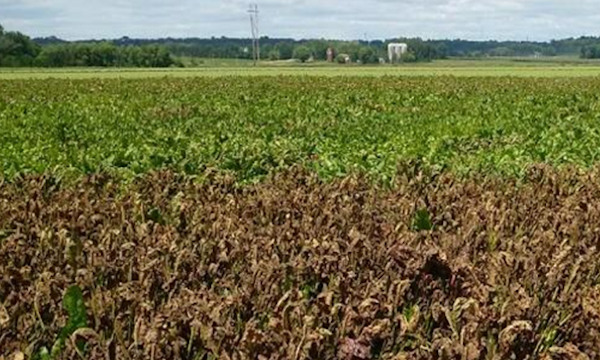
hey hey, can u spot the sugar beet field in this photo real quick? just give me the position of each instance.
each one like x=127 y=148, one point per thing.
x=296 y=217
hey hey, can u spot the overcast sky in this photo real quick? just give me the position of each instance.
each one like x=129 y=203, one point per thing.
x=340 y=19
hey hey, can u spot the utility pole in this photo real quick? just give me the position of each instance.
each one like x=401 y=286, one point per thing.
x=253 y=11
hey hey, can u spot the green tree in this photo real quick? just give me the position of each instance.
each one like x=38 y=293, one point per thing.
x=16 y=49
x=286 y=50
x=104 y=55
x=341 y=58
x=409 y=57
x=302 y=53
x=367 y=55
x=590 y=52
x=318 y=48
x=351 y=48
x=273 y=55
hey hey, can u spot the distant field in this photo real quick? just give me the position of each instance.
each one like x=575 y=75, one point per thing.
x=521 y=67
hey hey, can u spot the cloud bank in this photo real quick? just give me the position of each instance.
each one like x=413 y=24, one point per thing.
x=340 y=19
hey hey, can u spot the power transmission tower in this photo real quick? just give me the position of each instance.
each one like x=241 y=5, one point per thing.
x=253 y=11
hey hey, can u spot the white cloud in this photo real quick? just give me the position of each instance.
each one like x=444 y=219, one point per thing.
x=349 y=19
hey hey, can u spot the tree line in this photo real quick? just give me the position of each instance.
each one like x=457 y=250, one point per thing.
x=104 y=54
x=17 y=50
x=590 y=52
x=368 y=51
x=287 y=49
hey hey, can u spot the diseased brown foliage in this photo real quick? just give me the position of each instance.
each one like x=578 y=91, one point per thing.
x=295 y=268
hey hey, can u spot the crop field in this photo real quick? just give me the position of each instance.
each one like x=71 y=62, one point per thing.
x=300 y=217
x=458 y=68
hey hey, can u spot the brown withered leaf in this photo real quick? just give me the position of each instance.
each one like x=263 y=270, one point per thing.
x=379 y=329
x=514 y=334
x=304 y=268
x=568 y=352
x=351 y=349
x=4 y=317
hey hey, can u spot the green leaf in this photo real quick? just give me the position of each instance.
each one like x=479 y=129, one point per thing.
x=408 y=312
x=74 y=303
x=422 y=221
x=44 y=354
x=156 y=216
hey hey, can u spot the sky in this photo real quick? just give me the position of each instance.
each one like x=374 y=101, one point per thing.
x=333 y=19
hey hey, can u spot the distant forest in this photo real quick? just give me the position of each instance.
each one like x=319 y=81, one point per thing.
x=361 y=50
x=17 y=49
x=423 y=50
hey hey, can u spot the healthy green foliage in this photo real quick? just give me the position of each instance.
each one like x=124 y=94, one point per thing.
x=74 y=304
x=302 y=53
x=16 y=49
x=422 y=221
x=590 y=52
x=421 y=50
x=104 y=54
x=251 y=126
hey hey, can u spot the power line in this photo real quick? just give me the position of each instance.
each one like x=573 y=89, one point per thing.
x=253 y=11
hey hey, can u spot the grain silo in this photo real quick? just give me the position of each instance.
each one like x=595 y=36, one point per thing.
x=330 y=54
x=395 y=51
